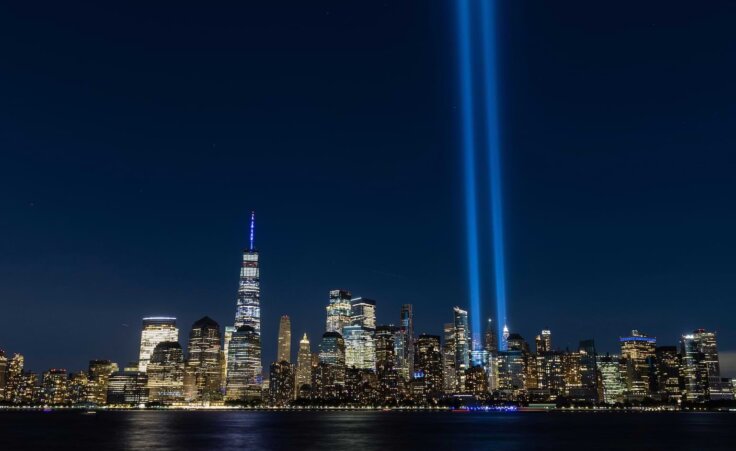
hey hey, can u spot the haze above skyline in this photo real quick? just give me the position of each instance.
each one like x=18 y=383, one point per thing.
x=137 y=139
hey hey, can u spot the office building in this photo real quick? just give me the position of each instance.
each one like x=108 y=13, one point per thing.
x=339 y=311
x=156 y=329
x=203 y=368
x=284 y=345
x=166 y=373
x=244 y=378
x=248 y=306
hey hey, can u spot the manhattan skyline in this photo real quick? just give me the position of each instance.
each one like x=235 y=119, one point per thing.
x=133 y=162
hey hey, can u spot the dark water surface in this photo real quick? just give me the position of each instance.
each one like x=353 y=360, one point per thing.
x=365 y=430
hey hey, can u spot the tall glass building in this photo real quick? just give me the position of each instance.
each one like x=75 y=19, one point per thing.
x=404 y=343
x=462 y=345
x=332 y=354
x=203 y=370
x=339 y=311
x=360 y=348
x=244 y=372
x=248 y=310
x=166 y=373
x=156 y=329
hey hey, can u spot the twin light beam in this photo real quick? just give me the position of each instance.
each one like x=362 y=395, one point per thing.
x=485 y=15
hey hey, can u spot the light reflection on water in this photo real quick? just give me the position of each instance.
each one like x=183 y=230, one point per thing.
x=248 y=430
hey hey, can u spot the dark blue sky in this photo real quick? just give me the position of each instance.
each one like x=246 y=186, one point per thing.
x=135 y=139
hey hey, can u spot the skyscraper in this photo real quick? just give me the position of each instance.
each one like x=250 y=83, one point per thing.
x=386 y=374
x=14 y=378
x=462 y=346
x=99 y=375
x=156 y=329
x=404 y=343
x=332 y=364
x=203 y=370
x=55 y=387
x=339 y=311
x=543 y=342
x=244 y=371
x=363 y=313
x=303 y=364
x=248 y=309
x=281 y=383
x=360 y=348
x=229 y=330
x=166 y=373
x=450 y=381
x=284 y=351
x=701 y=368
x=427 y=382
x=638 y=351
x=613 y=382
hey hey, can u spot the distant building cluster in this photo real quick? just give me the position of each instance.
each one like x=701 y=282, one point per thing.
x=359 y=362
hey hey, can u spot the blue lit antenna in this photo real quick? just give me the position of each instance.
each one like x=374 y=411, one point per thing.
x=252 y=228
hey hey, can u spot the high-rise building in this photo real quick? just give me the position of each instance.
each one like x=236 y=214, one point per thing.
x=614 y=385
x=701 y=368
x=99 y=373
x=427 y=382
x=462 y=346
x=360 y=349
x=544 y=341
x=244 y=371
x=450 y=379
x=55 y=387
x=156 y=329
x=669 y=366
x=248 y=309
x=339 y=311
x=166 y=373
x=281 y=383
x=303 y=364
x=127 y=387
x=331 y=365
x=588 y=371
x=638 y=354
x=14 y=379
x=229 y=330
x=284 y=351
x=386 y=374
x=404 y=343
x=203 y=368
x=491 y=341
x=363 y=313
x=79 y=386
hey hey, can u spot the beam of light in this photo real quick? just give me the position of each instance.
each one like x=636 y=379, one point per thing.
x=468 y=145
x=488 y=27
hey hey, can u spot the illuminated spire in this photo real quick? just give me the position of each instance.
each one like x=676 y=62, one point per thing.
x=252 y=228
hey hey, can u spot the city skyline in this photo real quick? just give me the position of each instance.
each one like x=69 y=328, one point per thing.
x=129 y=178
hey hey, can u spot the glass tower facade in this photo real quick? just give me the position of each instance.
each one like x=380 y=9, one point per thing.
x=156 y=329
x=248 y=310
x=339 y=311
x=244 y=372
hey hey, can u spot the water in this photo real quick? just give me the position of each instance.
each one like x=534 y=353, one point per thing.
x=142 y=430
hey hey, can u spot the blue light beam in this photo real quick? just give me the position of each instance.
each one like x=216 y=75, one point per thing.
x=252 y=228
x=469 y=149
x=488 y=18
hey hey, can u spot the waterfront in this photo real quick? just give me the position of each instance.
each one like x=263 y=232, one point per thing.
x=364 y=430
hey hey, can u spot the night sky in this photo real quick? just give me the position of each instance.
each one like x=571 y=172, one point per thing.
x=135 y=140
